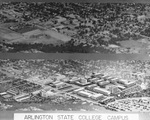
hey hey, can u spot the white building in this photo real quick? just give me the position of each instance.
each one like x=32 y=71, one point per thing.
x=97 y=96
x=21 y=97
x=84 y=94
x=102 y=91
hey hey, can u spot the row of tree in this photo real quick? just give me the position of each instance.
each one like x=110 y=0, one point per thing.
x=50 y=48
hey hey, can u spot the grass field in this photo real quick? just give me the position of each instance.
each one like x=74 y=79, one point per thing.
x=58 y=36
x=40 y=39
x=141 y=47
x=45 y=37
x=8 y=34
x=25 y=29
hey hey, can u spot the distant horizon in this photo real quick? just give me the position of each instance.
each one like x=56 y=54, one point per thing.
x=103 y=1
x=79 y=56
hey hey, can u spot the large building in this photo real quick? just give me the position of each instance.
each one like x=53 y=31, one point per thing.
x=84 y=94
x=103 y=83
x=94 y=80
x=121 y=87
x=12 y=91
x=97 y=96
x=82 y=82
x=130 y=84
x=102 y=91
x=113 y=80
x=77 y=90
x=22 y=97
x=115 y=90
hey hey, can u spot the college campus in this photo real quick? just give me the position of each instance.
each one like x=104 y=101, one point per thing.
x=75 y=85
x=51 y=27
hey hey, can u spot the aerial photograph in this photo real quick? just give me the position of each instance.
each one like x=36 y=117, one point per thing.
x=74 y=85
x=55 y=27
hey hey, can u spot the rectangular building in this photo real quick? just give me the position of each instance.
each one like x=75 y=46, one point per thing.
x=21 y=95
x=102 y=91
x=12 y=91
x=122 y=81
x=97 y=96
x=84 y=94
x=121 y=87
x=77 y=90
x=23 y=98
x=130 y=84
x=103 y=83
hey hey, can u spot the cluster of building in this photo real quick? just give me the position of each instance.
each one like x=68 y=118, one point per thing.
x=41 y=80
x=96 y=88
x=105 y=85
x=21 y=90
